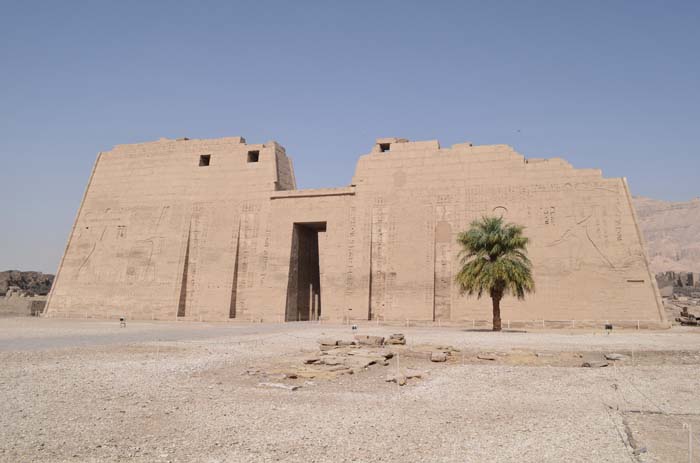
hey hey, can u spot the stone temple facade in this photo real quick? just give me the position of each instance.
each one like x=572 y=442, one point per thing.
x=216 y=230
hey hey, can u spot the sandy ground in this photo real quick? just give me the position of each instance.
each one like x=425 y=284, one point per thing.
x=180 y=392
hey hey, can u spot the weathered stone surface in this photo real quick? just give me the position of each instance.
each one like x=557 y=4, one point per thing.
x=216 y=230
x=363 y=362
x=594 y=364
x=438 y=357
x=338 y=367
x=397 y=339
x=365 y=340
x=289 y=387
x=409 y=373
x=399 y=379
x=370 y=352
x=447 y=349
x=339 y=360
x=329 y=360
x=16 y=305
x=328 y=341
x=404 y=375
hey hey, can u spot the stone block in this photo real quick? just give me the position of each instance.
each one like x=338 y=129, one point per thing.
x=365 y=340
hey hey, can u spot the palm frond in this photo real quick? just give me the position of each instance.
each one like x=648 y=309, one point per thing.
x=494 y=259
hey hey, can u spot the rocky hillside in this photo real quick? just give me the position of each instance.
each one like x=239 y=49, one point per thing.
x=672 y=233
x=34 y=282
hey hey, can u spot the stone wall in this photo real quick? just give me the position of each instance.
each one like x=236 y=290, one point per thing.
x=158 y=234
x=22 y=306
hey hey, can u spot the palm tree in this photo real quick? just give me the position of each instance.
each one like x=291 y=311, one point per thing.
x=494 y=261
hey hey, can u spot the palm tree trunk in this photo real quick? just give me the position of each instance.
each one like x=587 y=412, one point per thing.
x=496 y=313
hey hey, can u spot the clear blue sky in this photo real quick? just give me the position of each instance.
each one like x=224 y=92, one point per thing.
x=609 y=84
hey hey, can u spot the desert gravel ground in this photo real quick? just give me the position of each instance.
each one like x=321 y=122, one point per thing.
x=157 y=392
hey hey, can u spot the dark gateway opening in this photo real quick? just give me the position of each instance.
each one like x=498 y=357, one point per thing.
x=304 y=286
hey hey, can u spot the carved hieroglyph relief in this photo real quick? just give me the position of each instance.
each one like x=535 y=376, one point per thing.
x=162 y=235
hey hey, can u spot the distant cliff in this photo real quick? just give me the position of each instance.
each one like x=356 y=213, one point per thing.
x=672 y=233
x=33 y=282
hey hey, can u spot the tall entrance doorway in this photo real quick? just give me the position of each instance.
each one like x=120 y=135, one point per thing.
x=304 y=284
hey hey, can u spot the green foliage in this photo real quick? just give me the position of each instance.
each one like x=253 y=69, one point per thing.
x=494 y=260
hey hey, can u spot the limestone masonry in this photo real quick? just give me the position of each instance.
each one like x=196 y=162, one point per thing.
x=216 y=230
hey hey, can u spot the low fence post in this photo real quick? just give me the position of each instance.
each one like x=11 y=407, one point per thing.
x=689 y=427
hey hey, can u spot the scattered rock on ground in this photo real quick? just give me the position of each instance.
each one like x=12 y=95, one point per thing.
x=404 y=375
x=328 y=341
x=366 y=340
x=594 y=364
x=438 y=357
x=341 y=369
x=364 y=362
x=447 y=349
x=399 y=379
x=397 y=338
x=409 y=373
x=615 y=357
x=56 y=384
x=289 y=387
x=331 y=360
x=486 y=356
